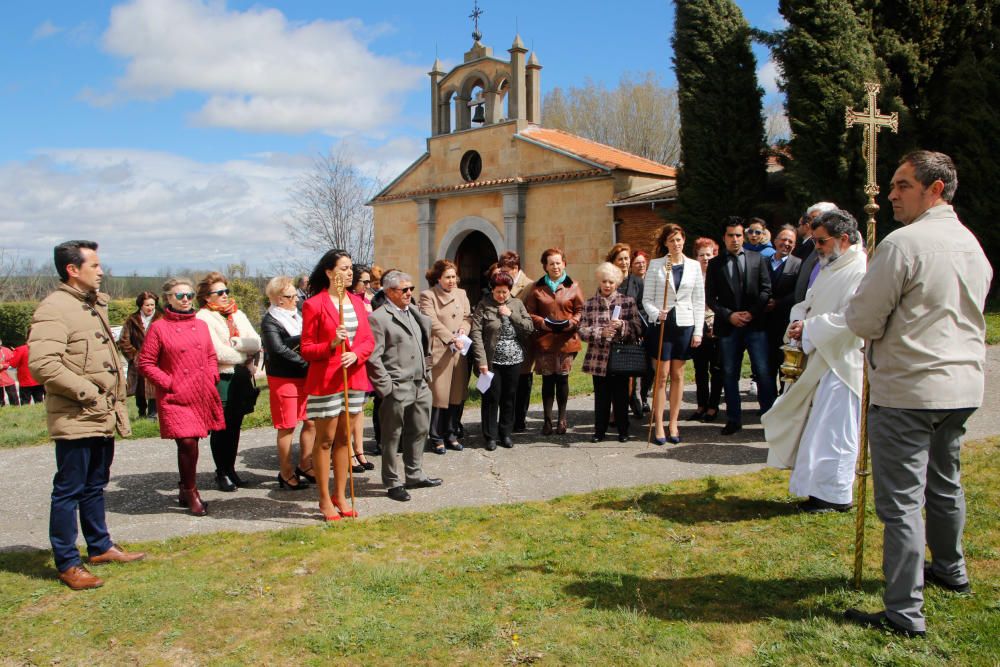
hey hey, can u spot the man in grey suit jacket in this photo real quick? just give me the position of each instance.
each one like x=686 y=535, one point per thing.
x=399 y=370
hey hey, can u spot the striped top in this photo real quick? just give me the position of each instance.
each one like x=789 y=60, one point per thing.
x=350 y=321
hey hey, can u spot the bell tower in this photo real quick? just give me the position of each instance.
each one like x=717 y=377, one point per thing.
x=485 y=90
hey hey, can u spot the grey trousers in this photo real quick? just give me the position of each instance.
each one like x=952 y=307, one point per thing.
x=915 y=464
x=404 y=418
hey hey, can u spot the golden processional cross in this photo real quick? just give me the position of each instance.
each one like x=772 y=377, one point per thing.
x=872 y=121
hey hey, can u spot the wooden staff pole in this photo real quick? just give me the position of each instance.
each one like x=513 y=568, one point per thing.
x=339 y=286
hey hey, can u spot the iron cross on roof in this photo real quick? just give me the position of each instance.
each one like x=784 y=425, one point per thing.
x=872 y=122
x=476 y=13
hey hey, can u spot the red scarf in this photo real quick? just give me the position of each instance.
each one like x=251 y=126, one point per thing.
x=228 y=311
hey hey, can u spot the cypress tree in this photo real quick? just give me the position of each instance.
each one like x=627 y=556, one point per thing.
x=723 y=158
x=825 y=56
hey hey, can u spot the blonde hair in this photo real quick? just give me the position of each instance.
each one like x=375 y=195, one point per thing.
x=277 y=285
x=168 y=287
x=609 y=270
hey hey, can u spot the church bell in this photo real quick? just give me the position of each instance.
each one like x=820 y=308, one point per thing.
x=479 y=115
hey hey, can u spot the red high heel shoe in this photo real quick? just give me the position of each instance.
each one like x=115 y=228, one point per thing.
x=348 y=514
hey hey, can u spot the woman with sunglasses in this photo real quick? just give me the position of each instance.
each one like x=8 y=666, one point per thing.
x=178 y=358
x=333 y=340
x=758 y=238
x=362 y=280
x=281 y=331
x=236 y=346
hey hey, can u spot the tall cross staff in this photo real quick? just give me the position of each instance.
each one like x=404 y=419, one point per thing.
x=872 y=122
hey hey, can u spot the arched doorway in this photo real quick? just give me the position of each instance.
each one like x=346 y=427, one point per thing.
x=474 y=256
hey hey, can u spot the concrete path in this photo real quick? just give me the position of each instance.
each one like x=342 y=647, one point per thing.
x=141 y=499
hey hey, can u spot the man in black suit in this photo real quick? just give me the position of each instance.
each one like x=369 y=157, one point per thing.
x=737 y=289
x=807 y=250
x=783 y=269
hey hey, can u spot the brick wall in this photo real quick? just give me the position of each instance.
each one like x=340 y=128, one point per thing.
x=640 y=224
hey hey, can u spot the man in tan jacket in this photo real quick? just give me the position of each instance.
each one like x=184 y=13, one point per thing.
x=72 y=352
x=920 y=309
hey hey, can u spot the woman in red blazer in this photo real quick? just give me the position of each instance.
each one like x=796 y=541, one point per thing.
x=331 y=345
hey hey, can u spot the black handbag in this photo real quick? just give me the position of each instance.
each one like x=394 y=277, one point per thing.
x=627 y=359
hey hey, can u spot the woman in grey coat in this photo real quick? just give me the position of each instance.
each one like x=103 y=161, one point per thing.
x=501 y=329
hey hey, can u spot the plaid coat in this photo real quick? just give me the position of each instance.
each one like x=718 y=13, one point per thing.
x=596 y=314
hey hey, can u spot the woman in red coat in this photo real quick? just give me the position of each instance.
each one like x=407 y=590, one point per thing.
x=178 y=358
x=331 y=345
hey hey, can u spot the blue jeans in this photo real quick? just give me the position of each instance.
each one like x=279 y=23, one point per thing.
x=733 y=345
x=83 y=468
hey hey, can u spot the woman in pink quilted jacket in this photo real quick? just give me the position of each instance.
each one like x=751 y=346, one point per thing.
x=178 y=358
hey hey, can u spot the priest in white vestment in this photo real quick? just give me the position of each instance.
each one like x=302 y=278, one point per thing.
x=814 y=426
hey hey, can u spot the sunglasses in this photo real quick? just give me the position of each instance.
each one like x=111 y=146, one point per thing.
x=220 y=292
x=819 y=241
x=754 y=232
x=182 y=296
x=365 y=282
x=403 y=289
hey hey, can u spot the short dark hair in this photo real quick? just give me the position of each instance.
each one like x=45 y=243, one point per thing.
x=501 y=278
x=733 y=221
x=837 y=222
x=509 y=260
x=930 y=166
x=70 y=252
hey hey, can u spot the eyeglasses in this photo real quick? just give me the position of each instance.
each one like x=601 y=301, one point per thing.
x=819 y=241
x=365 y=282
x=754 y=232
x=220 y=292
x=403 y=289
x=183 y=296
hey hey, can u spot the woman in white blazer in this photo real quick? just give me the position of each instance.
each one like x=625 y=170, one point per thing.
x=681 y=317
x=236 y=345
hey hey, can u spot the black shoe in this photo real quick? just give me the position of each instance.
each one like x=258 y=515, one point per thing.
x=490 y=444
x=455 y=445
x=645 y=408
x=881 y=621
x=235 y=479
x=816 y=505
x=731 y=427
x=425 y=483
x=299 y=472
x=931 y=578
x=636 y=406
x=287 y=483
x=623 y=437
x=674 y=439
x=506 y=442
x=224 y=483
x=438 y=448
x=709 y=418
x=399 y=493
x=596 y=438
x=376 y=450
x=696 y=416
x=519 y=428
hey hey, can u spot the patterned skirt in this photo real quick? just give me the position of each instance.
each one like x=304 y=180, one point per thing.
x=331 y=405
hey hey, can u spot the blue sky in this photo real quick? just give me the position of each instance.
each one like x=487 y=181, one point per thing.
x=171 y=130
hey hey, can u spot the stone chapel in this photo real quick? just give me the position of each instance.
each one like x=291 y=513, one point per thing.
x=493 y=178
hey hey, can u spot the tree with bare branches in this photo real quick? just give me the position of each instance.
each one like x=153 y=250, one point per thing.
x=328 y=208
x=639 y=116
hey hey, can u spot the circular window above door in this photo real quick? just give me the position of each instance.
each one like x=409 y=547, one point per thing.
x=471 y=166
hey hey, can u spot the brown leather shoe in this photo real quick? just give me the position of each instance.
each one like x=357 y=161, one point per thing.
x=116 y=555
x=79 y=579
x=561 y=427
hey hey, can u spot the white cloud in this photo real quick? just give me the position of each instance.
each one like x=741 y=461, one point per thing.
x=46 y=29
x=153 y=209
x=260 y=71
x=768 y=76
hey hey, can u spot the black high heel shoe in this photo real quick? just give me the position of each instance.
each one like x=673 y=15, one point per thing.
x=223 y=482
x=364 y=465
x=287 y=484
x=236 y=479
x=299 y=472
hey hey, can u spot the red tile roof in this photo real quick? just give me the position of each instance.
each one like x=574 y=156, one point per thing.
x=596 y=152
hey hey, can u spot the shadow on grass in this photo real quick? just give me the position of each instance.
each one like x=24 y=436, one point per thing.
x=703 y=506
x=27 y=561
x=716 y=598
x=707 y=452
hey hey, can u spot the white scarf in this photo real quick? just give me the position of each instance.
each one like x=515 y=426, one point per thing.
x=146 y=320
x=290 y=320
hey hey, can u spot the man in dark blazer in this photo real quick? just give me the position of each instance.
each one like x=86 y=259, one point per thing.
x=737 y=289
x=399 y=370
x=783 y=269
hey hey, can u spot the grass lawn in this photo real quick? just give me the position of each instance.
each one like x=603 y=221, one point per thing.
x=706 y=572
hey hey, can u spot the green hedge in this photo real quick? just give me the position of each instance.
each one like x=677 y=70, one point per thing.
x=15 y=317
